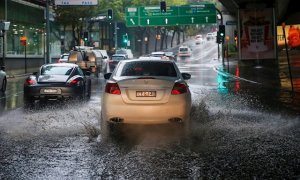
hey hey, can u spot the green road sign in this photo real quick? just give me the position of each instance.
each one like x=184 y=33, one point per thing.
x=175 y=15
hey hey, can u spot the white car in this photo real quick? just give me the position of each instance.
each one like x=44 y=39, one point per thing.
x=199 y=39
x=127 y=52
x=160 y=54
x=145 y=92
x=184 y=51
x=63 y=58
x=3 y=79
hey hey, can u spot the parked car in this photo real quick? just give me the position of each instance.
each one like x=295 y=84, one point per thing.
x=57 y=81
x=115 y=59
x=63 y=58
x=145 y=92
x=184 y=51
x=3 y=79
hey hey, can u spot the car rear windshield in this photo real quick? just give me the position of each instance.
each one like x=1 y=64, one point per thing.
x=183 y=49
x=147 y=69
x=117 y=58
x=56 y=70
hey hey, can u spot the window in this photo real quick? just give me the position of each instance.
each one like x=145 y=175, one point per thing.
x=148 y=69
x=56 y=70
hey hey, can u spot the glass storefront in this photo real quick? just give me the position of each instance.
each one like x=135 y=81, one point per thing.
x=25 y=19
x=35 y=40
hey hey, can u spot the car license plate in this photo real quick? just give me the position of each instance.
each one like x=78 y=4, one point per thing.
x=145 y=93
x=50 y=91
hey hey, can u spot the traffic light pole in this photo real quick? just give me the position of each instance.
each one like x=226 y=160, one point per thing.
x=222 y=42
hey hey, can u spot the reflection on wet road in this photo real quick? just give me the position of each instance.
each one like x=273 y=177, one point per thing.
x=235 y=134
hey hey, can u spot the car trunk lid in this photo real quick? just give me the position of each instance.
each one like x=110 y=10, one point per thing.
x=146 y=90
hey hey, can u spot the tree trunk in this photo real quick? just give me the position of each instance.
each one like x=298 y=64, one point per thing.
x=162 y=40
x=173 y=35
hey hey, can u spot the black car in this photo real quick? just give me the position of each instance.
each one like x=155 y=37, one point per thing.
x=57 y=81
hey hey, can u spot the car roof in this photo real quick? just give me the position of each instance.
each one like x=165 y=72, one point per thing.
x=152 y=60
x=123 y=55
x=149 y=58
x=62 y=64
x=158 y=52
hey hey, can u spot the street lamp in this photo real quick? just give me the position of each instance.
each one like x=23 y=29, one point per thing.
x=4 y=26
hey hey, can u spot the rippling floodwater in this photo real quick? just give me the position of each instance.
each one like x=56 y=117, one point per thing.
x=232 y=137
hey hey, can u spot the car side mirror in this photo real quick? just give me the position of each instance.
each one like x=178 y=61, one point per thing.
x=104 y=57
x=107 y=75
x=186 y=76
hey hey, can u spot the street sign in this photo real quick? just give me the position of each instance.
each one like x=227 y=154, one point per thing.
x=174 y=15
x=76 y=2
x=23 y=40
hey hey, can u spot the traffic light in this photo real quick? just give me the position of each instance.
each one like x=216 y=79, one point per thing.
x=110 y=14
x=221 y=33
x=86 y=36
x=125 y=38
x=163 y=6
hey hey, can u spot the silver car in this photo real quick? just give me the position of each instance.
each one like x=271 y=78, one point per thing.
x=3 y=79
x=146 y=92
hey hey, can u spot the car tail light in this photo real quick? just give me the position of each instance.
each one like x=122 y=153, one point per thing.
x=30 y=81
x=112 y=88
x=179 y=88
x=74 y=82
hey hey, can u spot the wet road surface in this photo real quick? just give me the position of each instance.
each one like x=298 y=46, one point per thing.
x=236 y=134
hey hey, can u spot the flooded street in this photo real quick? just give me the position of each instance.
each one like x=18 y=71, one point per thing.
x=238 y=132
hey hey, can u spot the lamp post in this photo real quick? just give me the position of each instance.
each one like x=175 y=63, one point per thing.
x=4 y=26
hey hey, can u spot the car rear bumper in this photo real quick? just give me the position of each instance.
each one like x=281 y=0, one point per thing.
x=36 y=93
x=114 y=108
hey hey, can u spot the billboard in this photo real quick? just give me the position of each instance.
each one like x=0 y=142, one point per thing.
x=76 y=2
x=257 y=34
x=292 y=33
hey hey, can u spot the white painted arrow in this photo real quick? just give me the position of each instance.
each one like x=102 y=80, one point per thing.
x=206 y=18
x=192 y=20
x=148 y=21
x=131 y=20
x=166 y=20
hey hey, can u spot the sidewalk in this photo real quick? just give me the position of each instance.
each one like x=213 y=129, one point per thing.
x=264 y=73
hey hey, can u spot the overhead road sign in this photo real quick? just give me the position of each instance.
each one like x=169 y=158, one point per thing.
x=174 y=15
x=76 y=2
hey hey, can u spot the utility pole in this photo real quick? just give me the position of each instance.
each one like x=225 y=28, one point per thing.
x=47 y=33
x=116 y=35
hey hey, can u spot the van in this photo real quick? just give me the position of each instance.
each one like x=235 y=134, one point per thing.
x=88 y=60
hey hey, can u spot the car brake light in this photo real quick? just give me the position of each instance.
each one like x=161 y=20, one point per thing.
x=30 y=81
x=112 y=88
x=179 y=88
x=74 y=82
